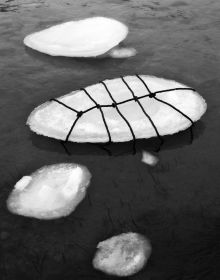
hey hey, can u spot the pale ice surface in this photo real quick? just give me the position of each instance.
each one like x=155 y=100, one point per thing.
x=149 y=158
x=50 y=192
x=23 y=182
x=83 y=38
x=54 y=120
x=122 y=255
x=122 y=52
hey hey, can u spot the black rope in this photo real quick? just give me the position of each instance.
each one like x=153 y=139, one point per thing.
x=72 y=127
x=142 y=108
x=65 y=148
x=68 y=107
x=172 y=89
x=102 y=114
x=164 y=90
x=170 y=105
x=143 y=83
x=78 y=115
x=153 y=95
x=116 y=104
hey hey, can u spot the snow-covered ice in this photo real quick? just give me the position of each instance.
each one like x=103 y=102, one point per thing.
x=88 y=37
x=54 y=120
x=50 y=192
x=122 y=255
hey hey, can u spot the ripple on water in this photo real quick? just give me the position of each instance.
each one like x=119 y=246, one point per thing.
x=12 y=6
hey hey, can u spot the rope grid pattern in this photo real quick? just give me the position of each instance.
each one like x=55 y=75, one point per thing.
x=115 y=105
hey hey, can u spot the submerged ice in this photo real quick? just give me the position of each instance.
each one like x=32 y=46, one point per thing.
x=50 y=192
x=122 y=255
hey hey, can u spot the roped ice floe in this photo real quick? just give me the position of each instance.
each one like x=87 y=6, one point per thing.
x=118 y=110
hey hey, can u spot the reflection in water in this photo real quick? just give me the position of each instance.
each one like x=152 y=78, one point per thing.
x=70 y=64
x=119 y=149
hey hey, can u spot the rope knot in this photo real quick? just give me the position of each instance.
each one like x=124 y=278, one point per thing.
x=152 y=95
x=79 y=114
x=135 y=98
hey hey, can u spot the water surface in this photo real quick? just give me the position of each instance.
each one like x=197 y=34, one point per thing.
x=174 y=204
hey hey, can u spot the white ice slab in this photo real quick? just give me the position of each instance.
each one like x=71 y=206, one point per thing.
x=54 y=120
x=83 y=38
x=51 y=192
x=122 y=255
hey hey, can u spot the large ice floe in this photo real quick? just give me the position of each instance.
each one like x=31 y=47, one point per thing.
x=83 y=38
x=50 y=192
x=122 y=255
x=119 y=110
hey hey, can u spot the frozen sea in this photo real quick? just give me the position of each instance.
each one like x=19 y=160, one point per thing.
x=175 y=204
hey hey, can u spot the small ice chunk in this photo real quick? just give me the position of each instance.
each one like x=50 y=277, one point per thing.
x=149 y=158
x=122 y=52
x=23 y=182
x=51 y=192
x=122 y=255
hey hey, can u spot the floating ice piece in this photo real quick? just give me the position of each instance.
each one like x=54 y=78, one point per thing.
x=122 y=52
x=122 y=255
x=22 y=183
x=107 y=111
x=84 y=38
x=50 y=192
x=149 y=158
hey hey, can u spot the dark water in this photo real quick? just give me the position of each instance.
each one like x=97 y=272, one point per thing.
x=175 y=204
